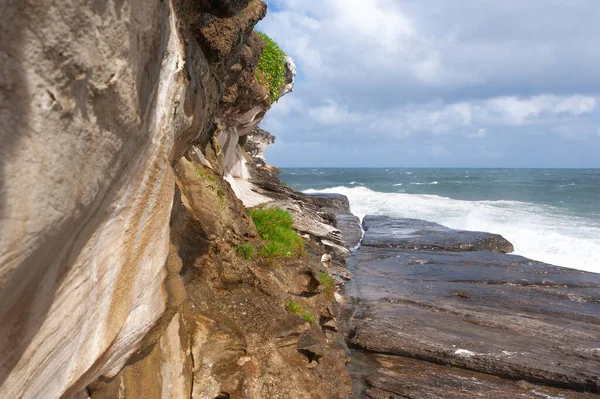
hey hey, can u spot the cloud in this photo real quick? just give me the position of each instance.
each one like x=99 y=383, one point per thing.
x=479 y=134
x=383 y=71
x=331 y=113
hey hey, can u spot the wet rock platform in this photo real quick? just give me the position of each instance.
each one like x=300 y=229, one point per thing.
x=441 y=313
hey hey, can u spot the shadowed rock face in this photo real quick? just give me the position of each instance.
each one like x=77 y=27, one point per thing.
x=488 y=312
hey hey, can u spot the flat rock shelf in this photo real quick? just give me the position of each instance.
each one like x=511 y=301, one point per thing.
x=442 y=313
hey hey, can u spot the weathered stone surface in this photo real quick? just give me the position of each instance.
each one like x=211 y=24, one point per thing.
x=120 y=124
x=490 y=312
x=384 y=231
x=349 y=226
x=163 y=370
x=257 y=142
x=336 y=209
x=401 y=377
x=289 y=77
x=338 y=202
x=90 y=104
x=222 y=8
x=99 y=100
x=236 y=338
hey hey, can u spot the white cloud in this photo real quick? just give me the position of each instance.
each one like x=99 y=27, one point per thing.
x=522 y=110
x=331 y=113
x=382 y=70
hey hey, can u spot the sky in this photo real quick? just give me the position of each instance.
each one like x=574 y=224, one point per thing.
x=437 y=83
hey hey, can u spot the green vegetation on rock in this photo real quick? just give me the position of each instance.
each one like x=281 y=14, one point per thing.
x=296 y=309
x=246 y=251
x=270 y=71
x=329 y=283
x=213 y=186
x=275 y=227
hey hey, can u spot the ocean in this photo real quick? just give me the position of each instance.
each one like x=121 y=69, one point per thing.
x=550 y=215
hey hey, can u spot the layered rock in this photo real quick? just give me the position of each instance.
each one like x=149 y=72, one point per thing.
x=423 y=291
x=92 y=99
x=336 y=209
x=387 y=232
x=232 y=337
x=113 y=246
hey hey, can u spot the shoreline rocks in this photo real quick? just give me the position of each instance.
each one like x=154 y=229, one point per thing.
x=424 y=291
x=402 y=233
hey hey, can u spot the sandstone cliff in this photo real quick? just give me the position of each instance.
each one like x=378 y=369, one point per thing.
x=120 y=122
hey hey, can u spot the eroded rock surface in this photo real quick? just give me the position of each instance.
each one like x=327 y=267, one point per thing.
x=401 y=377
x=489 y=312
x=336 y=208
x=120 y=121
x=384 y=231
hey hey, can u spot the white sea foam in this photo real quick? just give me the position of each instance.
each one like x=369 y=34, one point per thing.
x=543 y=233
x=397 y=184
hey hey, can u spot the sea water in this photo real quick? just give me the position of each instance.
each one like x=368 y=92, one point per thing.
x=550 y=215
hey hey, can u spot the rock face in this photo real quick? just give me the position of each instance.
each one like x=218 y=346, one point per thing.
x=422 y=291
x=90 y=107
x=336 y=208
x=119 y=122
x=258 y=141
x=387 y=232
x=401 y=377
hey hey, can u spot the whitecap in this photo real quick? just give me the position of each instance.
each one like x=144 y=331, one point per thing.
x=397 y=184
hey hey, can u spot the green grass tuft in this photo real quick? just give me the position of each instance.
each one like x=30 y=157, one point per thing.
x=246 y=251
x=275 y=227
x=270 y=71
x=308 y=317
x=293 y=307
x=296 y=309
x=329 y=283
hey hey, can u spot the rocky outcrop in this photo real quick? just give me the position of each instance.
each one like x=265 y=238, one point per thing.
x=336 y=209
x=402 y=377
x=92 y=108
x=422 y=291
x=120 y=121
x=387 y=232
x=232 y=336
x=257 y=142
x=290 y=75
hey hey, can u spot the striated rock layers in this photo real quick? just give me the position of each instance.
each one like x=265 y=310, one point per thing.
x=424 y=296
x=119 y=121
